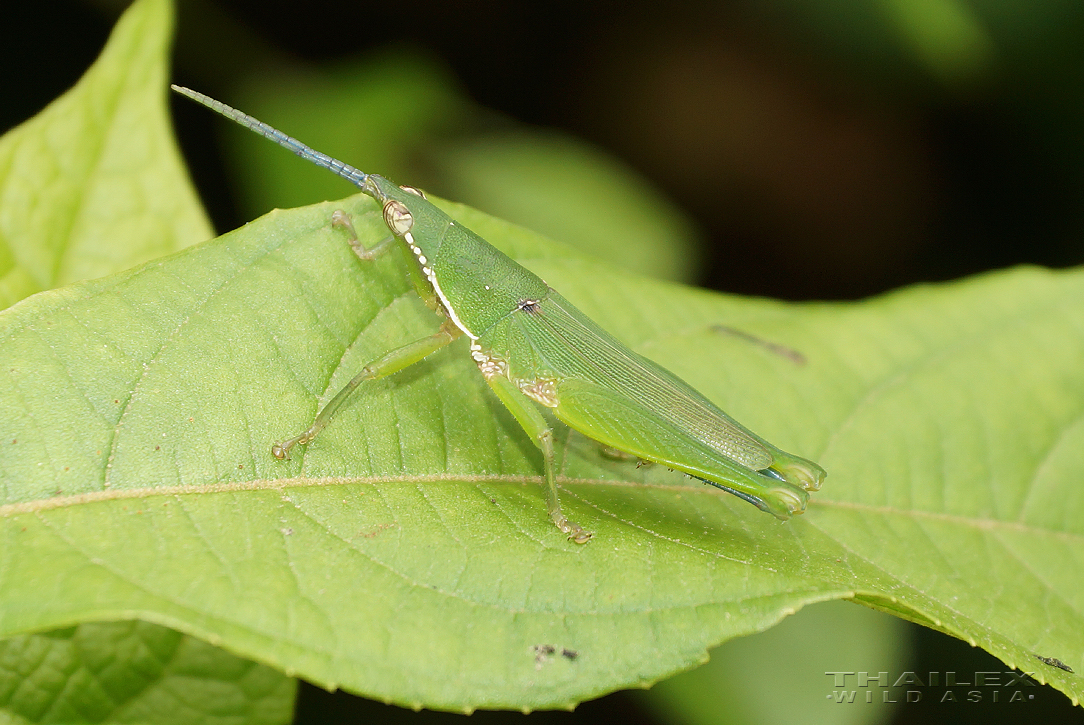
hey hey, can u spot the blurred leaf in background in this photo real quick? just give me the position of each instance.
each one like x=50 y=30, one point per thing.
x=93 y=184
x=402 y=113
x=735 y=686
x=135 y=672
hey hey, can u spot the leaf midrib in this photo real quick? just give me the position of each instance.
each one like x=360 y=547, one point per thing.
x=278 y=484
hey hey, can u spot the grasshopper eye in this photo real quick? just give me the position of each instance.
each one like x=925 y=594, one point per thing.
x=398 y=217
x=412 y=190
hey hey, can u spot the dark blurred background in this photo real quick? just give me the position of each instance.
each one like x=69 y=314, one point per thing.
x=826 y=149
x=821 y=149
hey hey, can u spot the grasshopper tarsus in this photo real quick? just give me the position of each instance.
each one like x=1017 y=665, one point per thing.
x=576 y=533
x=281 y=450
x=580 y=537
x=341 y=220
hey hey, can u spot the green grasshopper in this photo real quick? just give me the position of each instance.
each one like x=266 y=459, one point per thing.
x=532 y=344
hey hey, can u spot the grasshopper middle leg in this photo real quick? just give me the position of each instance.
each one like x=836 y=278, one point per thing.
x=536 y=426
x=382 y=367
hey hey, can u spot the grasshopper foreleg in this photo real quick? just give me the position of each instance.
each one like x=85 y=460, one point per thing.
x=341 y=220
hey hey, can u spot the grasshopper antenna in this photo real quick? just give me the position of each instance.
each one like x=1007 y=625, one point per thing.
x=346 y=171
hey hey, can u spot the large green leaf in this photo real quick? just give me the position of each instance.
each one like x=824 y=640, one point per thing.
x=407 y=555
x=93 y=184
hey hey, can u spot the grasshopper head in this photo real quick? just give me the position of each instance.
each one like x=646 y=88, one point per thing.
x=408 y=214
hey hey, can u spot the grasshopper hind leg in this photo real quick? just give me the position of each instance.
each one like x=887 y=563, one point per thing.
x=776 y=495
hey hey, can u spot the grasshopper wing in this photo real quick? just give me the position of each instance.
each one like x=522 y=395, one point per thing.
x=602 y=389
